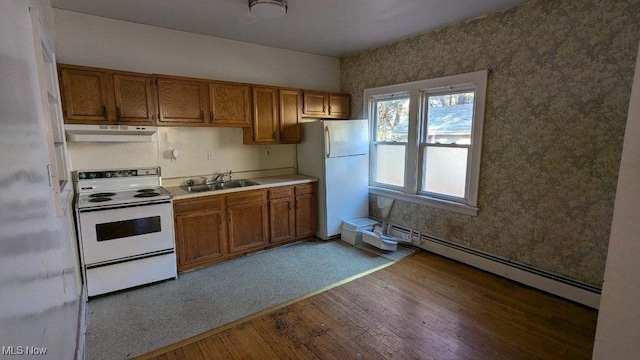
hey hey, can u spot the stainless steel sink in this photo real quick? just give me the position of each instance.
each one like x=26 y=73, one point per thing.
x=237 y=183
x=219 y=185
x=202 y=187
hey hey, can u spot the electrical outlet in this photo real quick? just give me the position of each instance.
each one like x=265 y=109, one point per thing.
x=267 y=152
x=209 y=154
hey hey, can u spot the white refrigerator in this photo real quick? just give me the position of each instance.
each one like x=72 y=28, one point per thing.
x=337 y=153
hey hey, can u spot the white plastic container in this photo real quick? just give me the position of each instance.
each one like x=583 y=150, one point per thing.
x=351 y=229
x=380 y=241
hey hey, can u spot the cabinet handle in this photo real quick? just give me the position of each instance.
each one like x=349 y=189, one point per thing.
x=202 y=115
x=212 y=116
x=329 y=109
x=118 y=115
x=273 y=135
x=104 y=111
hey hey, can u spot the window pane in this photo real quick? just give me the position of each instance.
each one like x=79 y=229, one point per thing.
x=445 y=170
x=449 y=118
x=392 y=120
x=390 y=164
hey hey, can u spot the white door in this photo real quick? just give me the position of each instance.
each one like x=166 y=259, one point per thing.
x=347 y=194
x=346 y=137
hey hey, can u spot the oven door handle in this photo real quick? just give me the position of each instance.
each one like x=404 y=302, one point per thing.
x=123 y=206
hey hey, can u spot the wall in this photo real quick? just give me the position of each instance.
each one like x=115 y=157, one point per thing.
x=618 y=328
x=39 y=288
x=101 y=42
x=557 y=98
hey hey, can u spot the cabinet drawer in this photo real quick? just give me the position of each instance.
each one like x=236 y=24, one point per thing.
x=246 y=197
x=281 y=192
x=305 y=189
x=197 y=204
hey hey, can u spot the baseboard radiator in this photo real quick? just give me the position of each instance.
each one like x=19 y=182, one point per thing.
x=576 y=291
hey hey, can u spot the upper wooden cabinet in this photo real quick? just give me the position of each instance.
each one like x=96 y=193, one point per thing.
x=100 y=96
x=269 y=115
x=315 y=104
x=325 y=105
x=290 y=115
x=134 y=99
x=85 y=95
x=264 y=129
x=276 y=116
x=229 y=105
x=338 y=106
x=182 y=101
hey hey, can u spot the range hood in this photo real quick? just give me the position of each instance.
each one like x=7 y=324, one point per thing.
x=111 y=133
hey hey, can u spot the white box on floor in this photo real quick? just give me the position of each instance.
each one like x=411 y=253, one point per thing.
x=351 y=229
x=380 y=241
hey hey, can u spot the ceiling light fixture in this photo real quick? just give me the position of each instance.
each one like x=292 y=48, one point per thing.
x=268 y=9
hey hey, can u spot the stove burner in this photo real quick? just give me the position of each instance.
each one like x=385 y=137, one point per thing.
x=102 y=194
x=146 y=194
x=99 y=199
x=146 y=190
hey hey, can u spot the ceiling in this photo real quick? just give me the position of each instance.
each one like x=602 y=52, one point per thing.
x=324 y=27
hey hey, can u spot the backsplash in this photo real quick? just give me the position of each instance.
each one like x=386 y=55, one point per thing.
x=193 y=143
x=557 y=98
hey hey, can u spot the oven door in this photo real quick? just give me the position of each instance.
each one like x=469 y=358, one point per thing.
x=125 y=231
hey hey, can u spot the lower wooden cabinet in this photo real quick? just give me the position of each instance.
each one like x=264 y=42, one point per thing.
x=248 y=220
x=201 y=236
x=214 y=228
x=306 y=210
x=282 y=219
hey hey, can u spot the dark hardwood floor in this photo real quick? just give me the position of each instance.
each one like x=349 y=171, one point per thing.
x=424 y=307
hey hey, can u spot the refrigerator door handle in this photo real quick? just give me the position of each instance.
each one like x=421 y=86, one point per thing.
x=328 y=141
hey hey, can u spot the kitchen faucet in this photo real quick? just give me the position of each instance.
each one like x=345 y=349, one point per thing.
x=220 y=177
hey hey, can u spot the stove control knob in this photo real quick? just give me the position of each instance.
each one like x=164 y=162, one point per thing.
x=82 y=175
x=92 y=175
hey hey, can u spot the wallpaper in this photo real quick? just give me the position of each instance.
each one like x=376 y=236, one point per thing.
x=560 y=75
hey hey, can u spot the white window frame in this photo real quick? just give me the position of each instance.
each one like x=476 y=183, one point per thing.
x=374 y=142
x=418 y=92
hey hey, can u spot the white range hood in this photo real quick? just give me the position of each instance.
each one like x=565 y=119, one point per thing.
x=111 y=133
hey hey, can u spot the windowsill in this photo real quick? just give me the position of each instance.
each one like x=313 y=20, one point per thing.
x=424 y=200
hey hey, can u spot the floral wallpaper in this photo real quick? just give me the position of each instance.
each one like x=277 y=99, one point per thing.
x=557 y=98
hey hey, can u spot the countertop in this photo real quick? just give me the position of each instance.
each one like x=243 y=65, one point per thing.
x=263 y=183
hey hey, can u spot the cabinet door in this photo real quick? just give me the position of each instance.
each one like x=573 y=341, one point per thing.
x=248 y=226
x=281 y=219
x=229 y=105
x=290 y=114
x=315 y=104
x=338 y=106
x=133 y=99
x=265 y=115
x=305 y=215
x=87 y=97
x=199 y=238
x=181 y=102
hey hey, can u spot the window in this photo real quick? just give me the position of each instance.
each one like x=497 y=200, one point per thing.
x=391 y=114
x=426 y=140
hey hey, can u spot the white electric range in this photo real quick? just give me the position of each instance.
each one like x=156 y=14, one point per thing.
x=125 y=228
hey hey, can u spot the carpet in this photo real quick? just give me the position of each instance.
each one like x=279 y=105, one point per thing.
x=134 y=322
